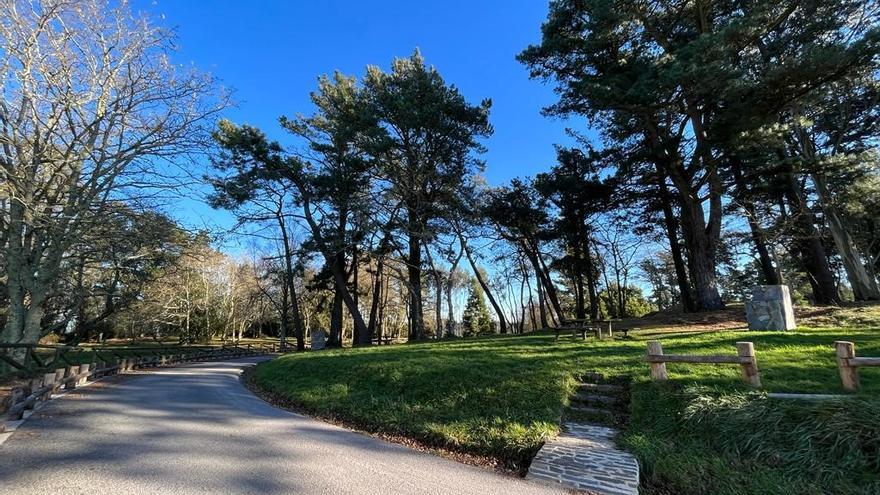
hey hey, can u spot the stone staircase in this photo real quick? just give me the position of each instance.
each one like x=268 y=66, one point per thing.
x=584 y=456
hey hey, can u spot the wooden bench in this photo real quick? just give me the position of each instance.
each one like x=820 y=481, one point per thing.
x=599 y=323
x=576 y=326
x=583 y=325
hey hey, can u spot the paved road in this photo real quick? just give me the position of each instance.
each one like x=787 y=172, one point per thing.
x=196 y=429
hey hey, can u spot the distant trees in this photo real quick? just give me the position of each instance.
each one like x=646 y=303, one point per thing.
x=380 y=164
x=204 y=295
x=109 y=271
x=252 y=184
x=91 y=104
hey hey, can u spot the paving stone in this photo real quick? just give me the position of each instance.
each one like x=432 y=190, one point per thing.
x=584 y=457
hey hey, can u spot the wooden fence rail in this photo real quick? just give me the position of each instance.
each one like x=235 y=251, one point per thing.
x=849 y=364
x=26 y=358
x=41 y=388
x=745 y=358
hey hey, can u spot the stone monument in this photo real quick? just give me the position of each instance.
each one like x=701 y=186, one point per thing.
x=770 y=308
x=318 y=339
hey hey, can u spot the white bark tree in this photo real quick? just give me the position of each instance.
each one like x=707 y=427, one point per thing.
x=91 y=111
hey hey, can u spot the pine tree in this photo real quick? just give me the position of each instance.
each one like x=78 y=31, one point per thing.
x=475 y=319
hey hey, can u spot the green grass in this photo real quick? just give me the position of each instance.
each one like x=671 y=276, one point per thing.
x=704 y=432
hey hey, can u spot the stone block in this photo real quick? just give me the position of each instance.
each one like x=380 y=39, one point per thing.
x=770 y=308
x=318 y=340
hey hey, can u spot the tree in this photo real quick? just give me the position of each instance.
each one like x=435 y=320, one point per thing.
x=578 y=194
x=475 y=318
x=426 y=152
x=252 y=185
x=110 y=269
x=638 y=85
x=659 y=272
x=635 y=305
x=519 y=215
x=91 y=105
x=339 y=182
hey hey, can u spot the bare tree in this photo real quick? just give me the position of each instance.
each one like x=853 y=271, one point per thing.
x=91 y=105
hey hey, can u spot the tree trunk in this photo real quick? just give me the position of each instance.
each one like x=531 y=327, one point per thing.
x=361 y=334
x=759 y=237
x=414 y=275
x=285 y=316
x=813 y=256
x=377 y=294
x=288 y=279
x=502 y=322
x=438 y=295
x=335 y=337
x=701 y=246
x=591 y=279
x=522 y=302
x=671 y=224
x=579 y=311
x=863 y=285
x=450 y=317
x=26 y=281
x=543 y=275
x=542 y=309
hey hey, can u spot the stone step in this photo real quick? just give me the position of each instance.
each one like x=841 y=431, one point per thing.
x=594 y=399
x=584 y=457
x=599 y=387
x=591 y=410
x=593 y=377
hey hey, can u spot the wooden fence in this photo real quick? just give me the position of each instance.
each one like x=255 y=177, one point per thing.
x=745 y=358
x=32 y=359
x=69 y=377
x=849 y=364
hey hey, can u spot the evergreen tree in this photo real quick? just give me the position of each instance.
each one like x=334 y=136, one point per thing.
x=475 y=319
x=426 y=152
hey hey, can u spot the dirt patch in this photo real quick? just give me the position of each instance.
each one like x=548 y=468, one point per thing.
x=734 y=318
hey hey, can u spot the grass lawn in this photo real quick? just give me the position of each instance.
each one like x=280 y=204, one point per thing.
x=703 y=432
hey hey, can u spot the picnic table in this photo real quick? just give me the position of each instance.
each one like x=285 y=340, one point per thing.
x=582 y=325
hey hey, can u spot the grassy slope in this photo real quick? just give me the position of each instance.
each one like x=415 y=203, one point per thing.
x=501 y=396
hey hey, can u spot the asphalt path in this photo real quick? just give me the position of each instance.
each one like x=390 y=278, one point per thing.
x=196 y=429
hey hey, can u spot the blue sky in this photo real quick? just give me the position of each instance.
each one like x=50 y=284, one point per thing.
x=272 y=51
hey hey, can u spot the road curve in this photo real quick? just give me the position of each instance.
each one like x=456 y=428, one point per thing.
x=196 y=429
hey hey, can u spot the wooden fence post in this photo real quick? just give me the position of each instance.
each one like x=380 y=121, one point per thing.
x=49 y=380
x=749 y=364
x=849 y=375
x=658 y=370
x=72 y=371
x=36 y=383
x=84 y=368
x=59 y=377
